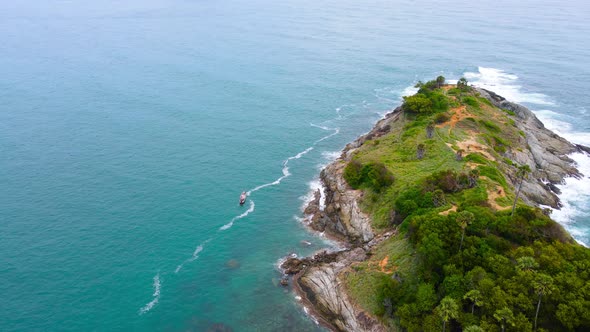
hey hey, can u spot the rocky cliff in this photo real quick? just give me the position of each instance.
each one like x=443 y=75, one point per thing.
x=337 y=213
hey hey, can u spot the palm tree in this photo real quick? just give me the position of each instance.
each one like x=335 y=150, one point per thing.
x=473 y=176
x=475 y=297
x=521 y=173
x=526 y=264
x=420 y=151
x=459 y=154
x=438 y=198
x=430 y=130
x=504 y=316
x=543 y=285
x=447 y=310
x=464 y=218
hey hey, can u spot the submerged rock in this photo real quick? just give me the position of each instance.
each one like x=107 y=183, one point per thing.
x=232 y=264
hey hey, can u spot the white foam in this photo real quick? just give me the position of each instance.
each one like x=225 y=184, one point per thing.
x=505 y=85
x=156 y=296
x=564 y=129
x=231 y=223
x=314 y=186
x=575 y=198
x=409 y=91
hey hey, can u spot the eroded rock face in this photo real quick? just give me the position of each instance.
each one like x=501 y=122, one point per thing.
x=546 y=155
x=321 y=287
x=318 y=279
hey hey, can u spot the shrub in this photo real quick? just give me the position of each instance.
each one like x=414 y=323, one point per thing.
x=372 y=175
x=471 y=101
x=417 y=103
x=352 y=173
x=440 y=102
x=441 y=118
x=490 y=125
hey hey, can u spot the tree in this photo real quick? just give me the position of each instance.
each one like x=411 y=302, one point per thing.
x=447 y=310
x=473 y=176
x=504 y=316
x=464 y=218
x=420 y=151
x=438 y=198
x=418 y=103
x=521 y=173
x=526 y=264
x=473 y=328
x=440 y=81
x=462 y=84
x=543 y=285
x=430 y=130
x=459 y=154
x=475 y=297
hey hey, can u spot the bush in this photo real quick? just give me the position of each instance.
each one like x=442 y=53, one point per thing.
x=417 y=103
x=471 y=101
x=372 y=175
x=352 y=173
x=490 y=125
x=441 y=118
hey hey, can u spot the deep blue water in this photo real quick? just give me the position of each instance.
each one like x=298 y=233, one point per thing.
x=129 y=128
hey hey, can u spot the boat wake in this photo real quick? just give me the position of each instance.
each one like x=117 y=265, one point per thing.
x=156 y=296
x=231 y=223
x=193 y=258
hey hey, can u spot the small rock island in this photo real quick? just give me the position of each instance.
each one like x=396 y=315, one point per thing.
x=444 y=208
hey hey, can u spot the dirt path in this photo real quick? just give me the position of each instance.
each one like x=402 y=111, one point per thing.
x=446 y=212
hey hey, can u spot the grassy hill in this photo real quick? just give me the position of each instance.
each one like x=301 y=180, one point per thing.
x=463 y=257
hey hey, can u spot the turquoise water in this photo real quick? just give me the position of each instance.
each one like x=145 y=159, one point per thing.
x=129 y=129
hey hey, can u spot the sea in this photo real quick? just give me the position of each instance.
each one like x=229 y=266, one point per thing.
x=128 y=130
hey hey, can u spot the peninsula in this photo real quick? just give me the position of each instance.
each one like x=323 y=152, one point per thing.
x=444 y=210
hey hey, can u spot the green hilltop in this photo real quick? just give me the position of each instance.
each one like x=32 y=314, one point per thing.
x=468 y=253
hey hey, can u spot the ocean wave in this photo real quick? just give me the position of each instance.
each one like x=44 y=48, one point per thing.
x=575 y=199
x=552 y=121
x=314 y=186
x=156 y=295
x=231 y=223
x=574 y=196
x=505 y=85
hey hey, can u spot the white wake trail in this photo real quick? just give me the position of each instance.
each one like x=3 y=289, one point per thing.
x=336 y=131
x=156 y=296
x=231 y=223
x=194 y=257
x=285 y=171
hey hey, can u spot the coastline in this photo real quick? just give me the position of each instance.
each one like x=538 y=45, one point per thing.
x=335 y=213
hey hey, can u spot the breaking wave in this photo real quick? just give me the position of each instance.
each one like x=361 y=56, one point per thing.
x=575 y=212
x=505 y=85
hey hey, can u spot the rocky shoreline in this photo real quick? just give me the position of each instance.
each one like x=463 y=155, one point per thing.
x=338 y=215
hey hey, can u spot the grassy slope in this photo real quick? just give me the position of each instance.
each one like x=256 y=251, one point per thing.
x=482 y=130
x=397 y=150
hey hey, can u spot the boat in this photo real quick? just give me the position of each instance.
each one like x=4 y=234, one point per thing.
x=243 y=198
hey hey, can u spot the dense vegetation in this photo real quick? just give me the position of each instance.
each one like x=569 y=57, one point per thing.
x=465 y=257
